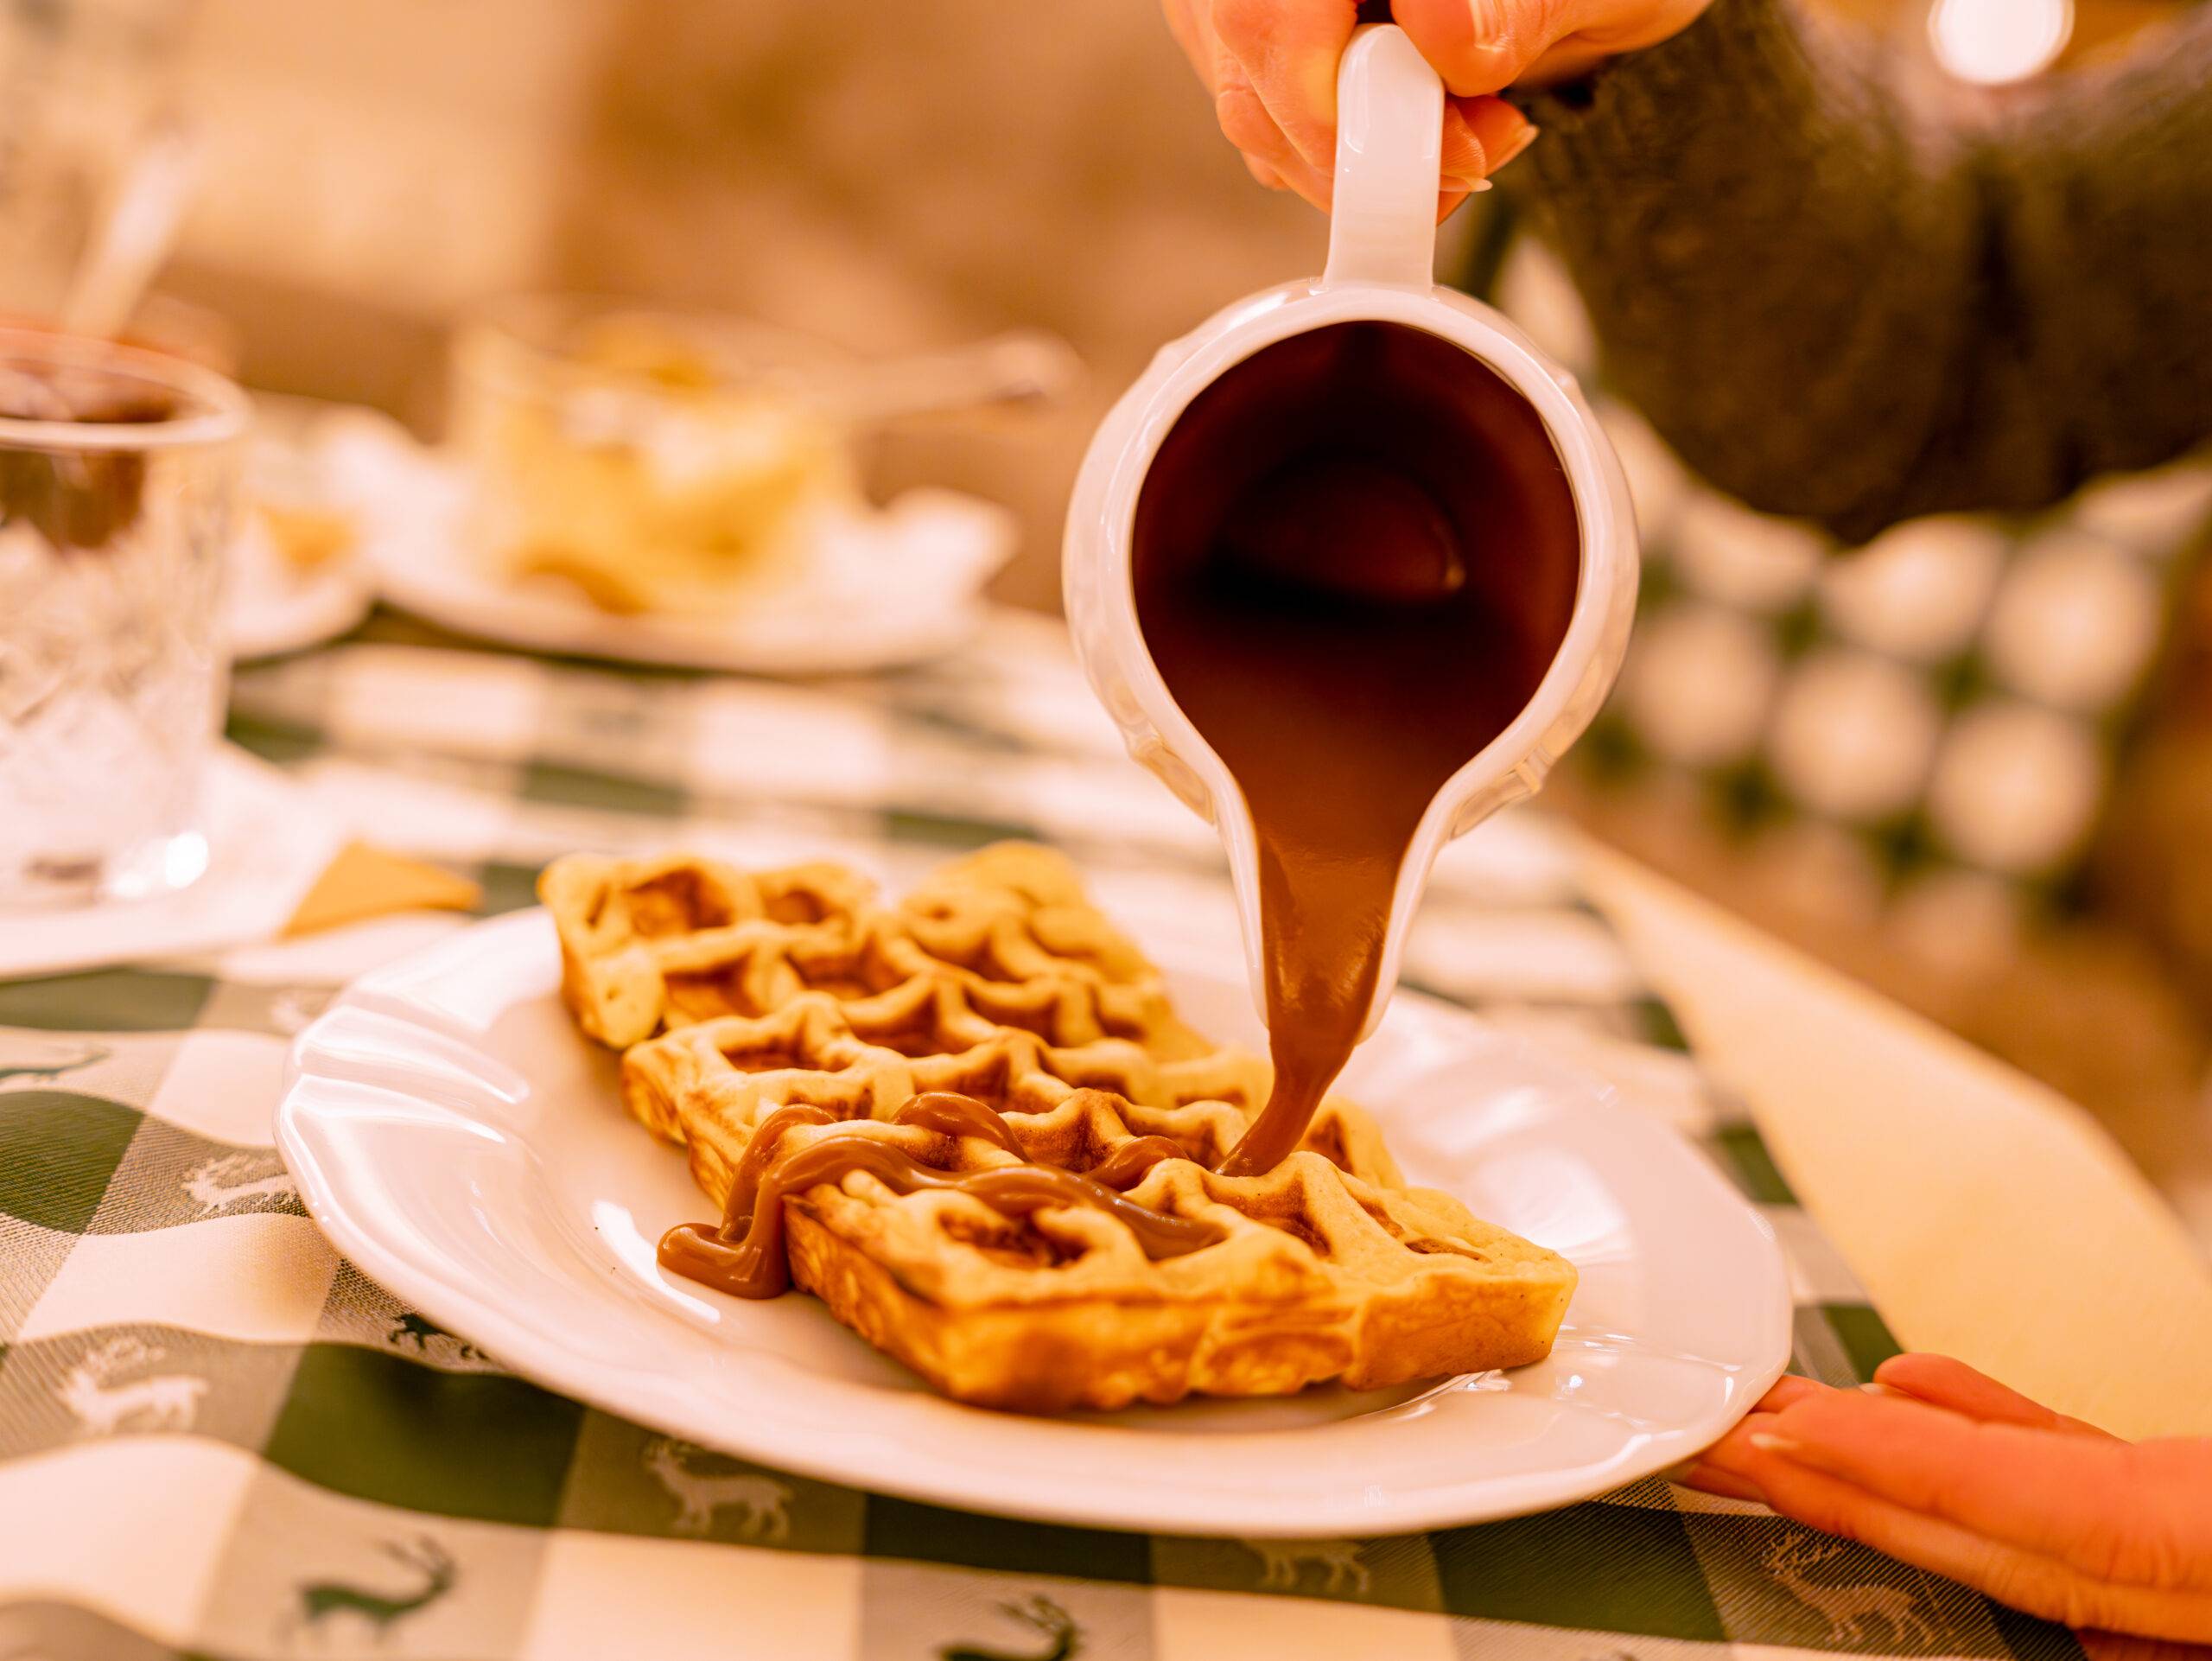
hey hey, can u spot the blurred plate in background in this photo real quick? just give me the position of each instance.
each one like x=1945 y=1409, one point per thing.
x=325 y=483
x=909 y=589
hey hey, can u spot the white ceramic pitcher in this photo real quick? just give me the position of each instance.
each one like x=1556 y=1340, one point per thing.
x=1382 y=255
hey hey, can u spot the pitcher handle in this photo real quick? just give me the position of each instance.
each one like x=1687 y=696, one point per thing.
x=1389 y=145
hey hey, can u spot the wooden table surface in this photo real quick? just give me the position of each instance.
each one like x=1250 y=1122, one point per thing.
x=1990 y=1217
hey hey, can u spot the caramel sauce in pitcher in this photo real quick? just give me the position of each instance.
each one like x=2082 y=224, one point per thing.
x=1355 y=557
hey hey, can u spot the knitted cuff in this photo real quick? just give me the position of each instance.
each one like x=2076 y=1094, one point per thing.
x=1601 y=127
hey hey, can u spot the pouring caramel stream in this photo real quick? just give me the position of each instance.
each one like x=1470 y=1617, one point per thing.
x=1355 y=557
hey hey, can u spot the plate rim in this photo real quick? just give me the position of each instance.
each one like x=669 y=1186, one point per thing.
x=327 y=605
x=1213 y=1511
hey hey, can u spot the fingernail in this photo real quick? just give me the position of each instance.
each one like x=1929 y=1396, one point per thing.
x=1873 y=1387
x=1520 y=141
x=1767 y=1442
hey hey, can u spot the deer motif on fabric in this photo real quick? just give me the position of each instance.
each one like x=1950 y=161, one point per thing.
x=1846 y=1606
x=104 y=1407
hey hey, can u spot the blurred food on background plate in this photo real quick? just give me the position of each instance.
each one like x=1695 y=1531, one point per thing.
x=663 y=462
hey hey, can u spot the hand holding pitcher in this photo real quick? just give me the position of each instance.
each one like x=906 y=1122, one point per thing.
x=1271 y=67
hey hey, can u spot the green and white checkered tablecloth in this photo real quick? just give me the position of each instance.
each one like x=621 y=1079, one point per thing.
x=218 y=1439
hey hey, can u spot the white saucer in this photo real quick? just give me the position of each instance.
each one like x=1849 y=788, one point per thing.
x=456 y=1138
x=339 y=459
x=269 y=609
x=268 y=840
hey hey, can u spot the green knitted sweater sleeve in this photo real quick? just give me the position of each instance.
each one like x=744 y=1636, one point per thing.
x=1841 y=301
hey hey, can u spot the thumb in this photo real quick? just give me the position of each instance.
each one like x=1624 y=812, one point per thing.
x=1481 y=46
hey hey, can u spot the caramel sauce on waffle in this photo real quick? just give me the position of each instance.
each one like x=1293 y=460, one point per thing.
x=1355 y=557
x=748 y=1254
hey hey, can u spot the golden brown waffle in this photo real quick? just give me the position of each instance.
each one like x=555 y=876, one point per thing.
x=1328 y=1267
x=647 y=945
x=635 y=933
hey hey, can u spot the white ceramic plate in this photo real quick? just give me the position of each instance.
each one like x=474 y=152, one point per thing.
x=337 y=458
x=270 y=610
x=459 y=1141
x=937 y=548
